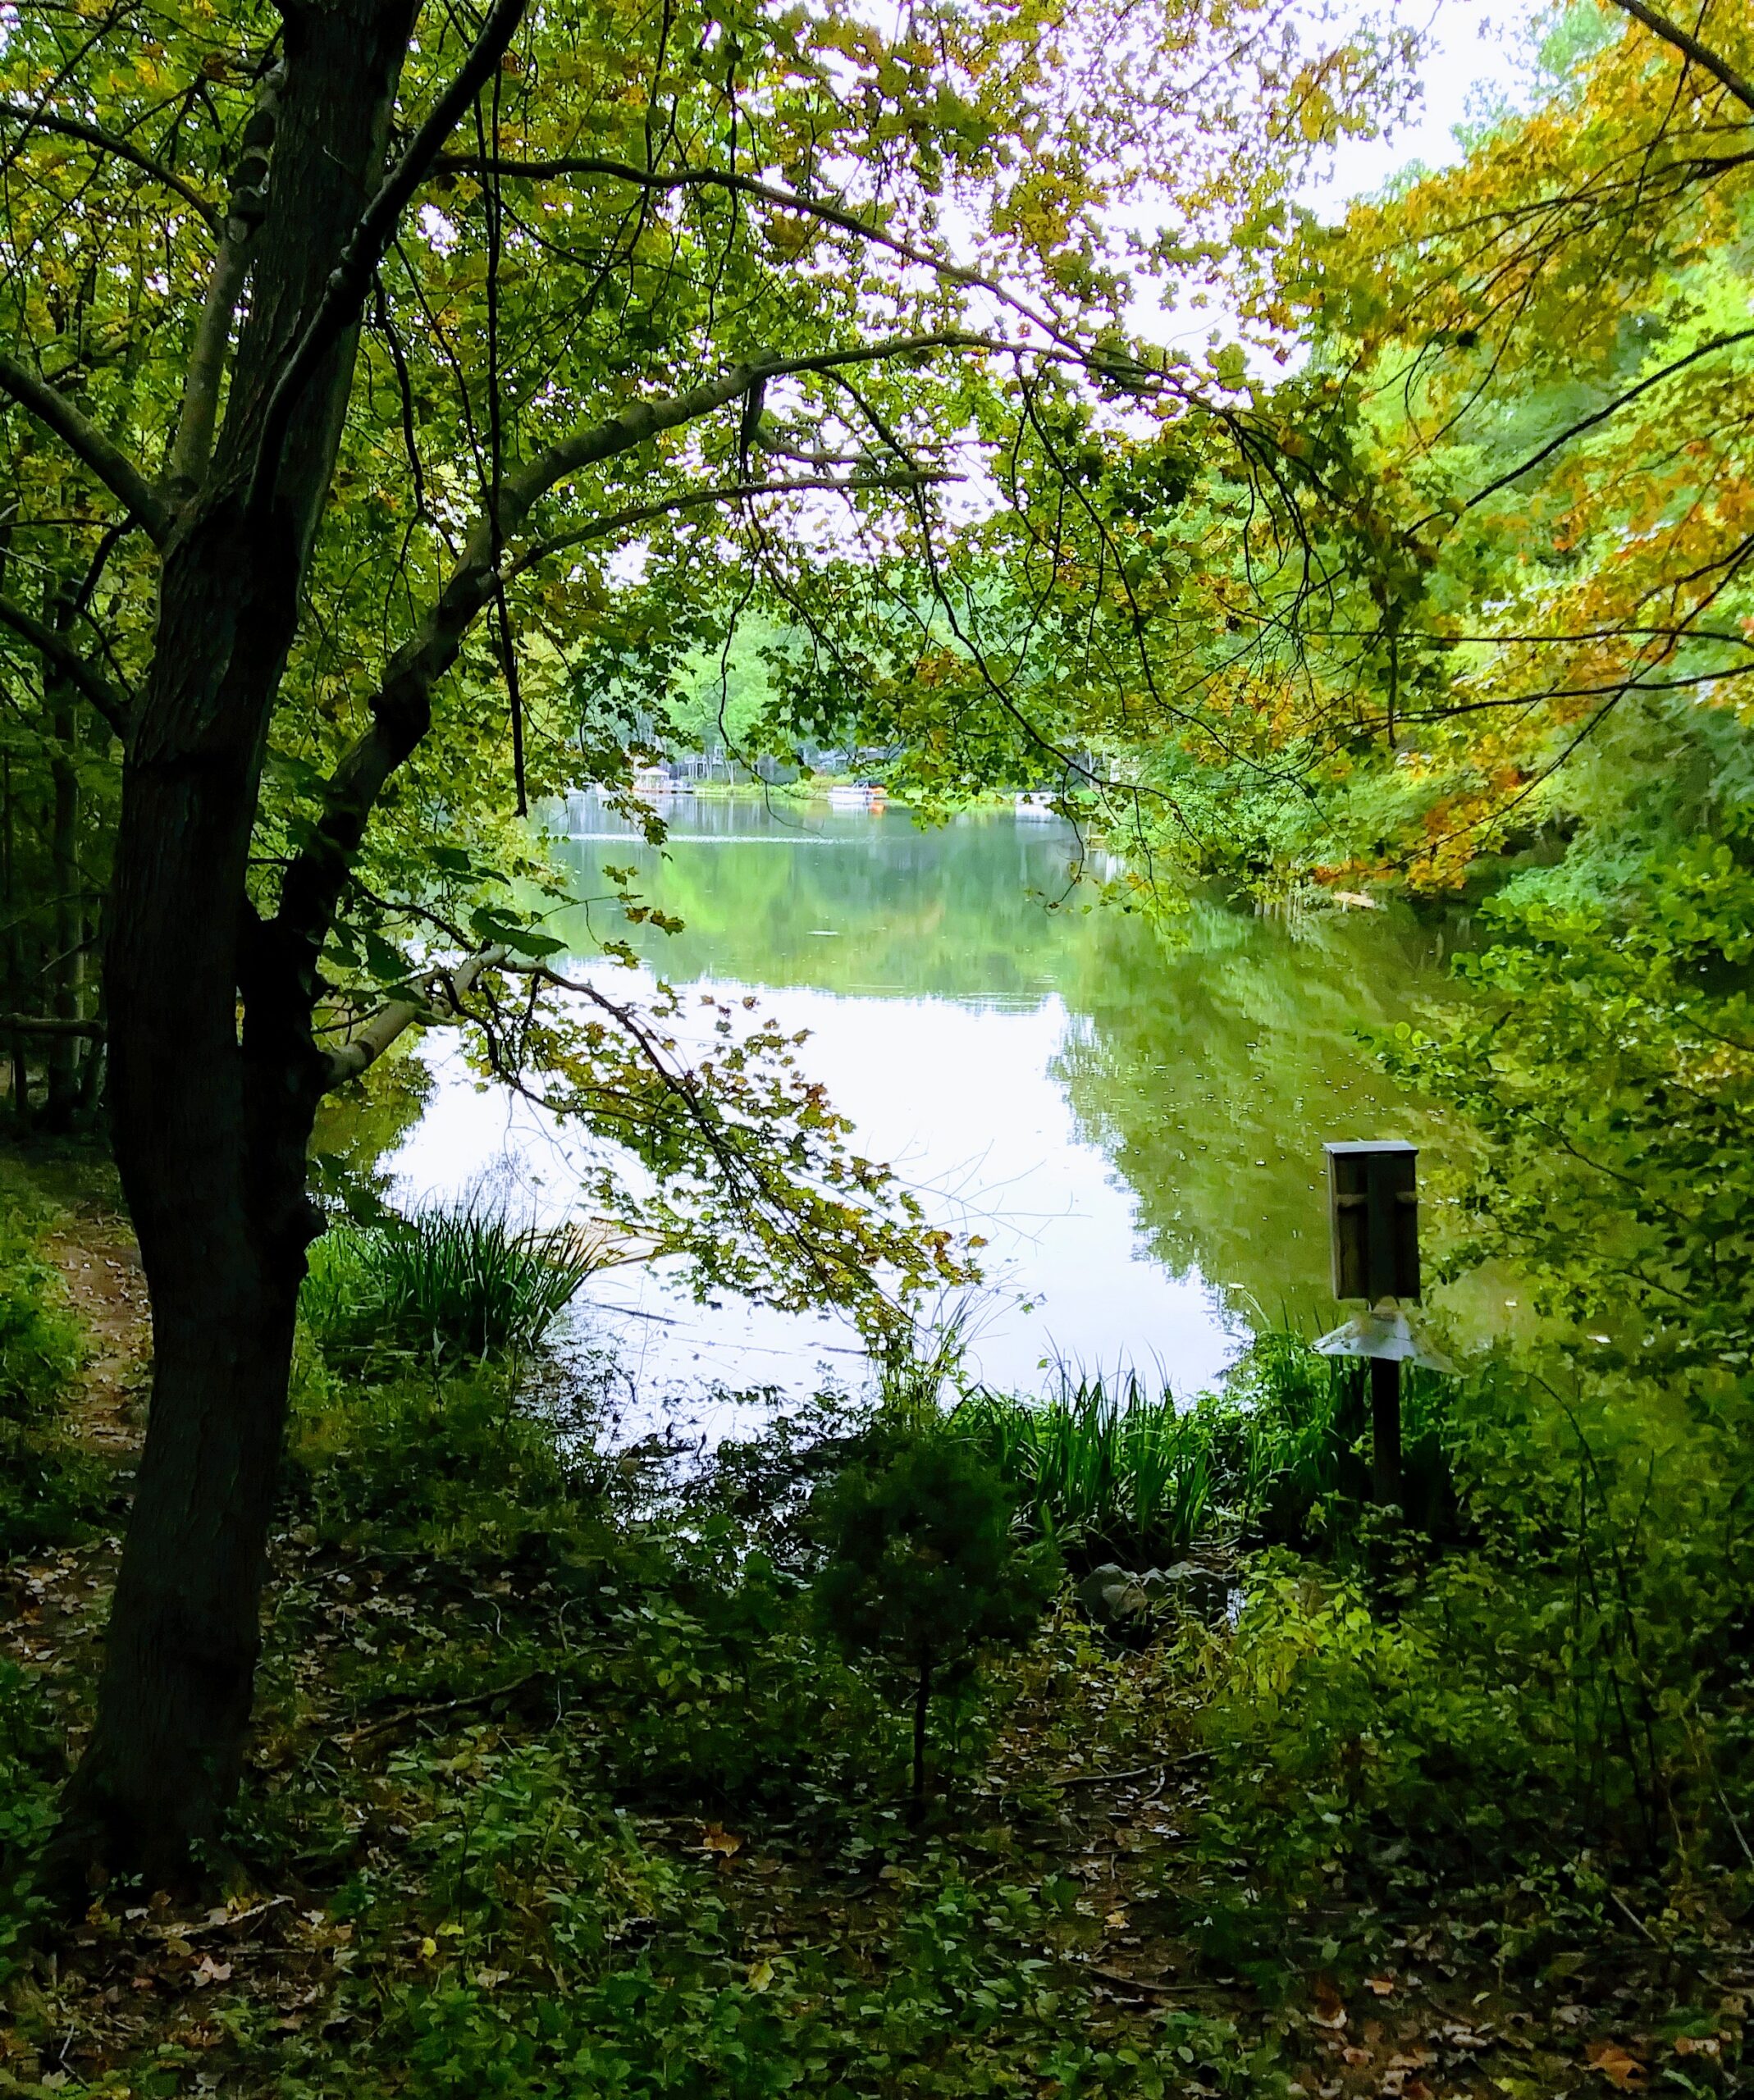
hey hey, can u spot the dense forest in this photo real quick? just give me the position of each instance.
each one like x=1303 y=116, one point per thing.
x=416 y=417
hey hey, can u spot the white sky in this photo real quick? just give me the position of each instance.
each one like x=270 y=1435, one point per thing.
x=1474 y=49
x=1474 y=44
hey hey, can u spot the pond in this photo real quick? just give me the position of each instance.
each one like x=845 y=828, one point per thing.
x=1131 y=1115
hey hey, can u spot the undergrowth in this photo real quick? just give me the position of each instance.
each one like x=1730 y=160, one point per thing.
x=442 y=1285
x=48 y=1486
x=1280 y=1454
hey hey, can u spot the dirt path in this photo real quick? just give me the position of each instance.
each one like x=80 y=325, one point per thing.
x=96 y=1253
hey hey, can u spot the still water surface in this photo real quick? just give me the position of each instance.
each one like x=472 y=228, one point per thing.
x=1132 y=1118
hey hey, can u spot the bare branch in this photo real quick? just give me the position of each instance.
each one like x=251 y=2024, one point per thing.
x=122 y=149
x=1600 y=415
x=443 y=991
x=1690 y=48
x=81 y=436
x=48 y=1024
x=113 y=706
x=351 y=277
x=644 y=513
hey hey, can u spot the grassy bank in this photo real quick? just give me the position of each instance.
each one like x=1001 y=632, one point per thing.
x=560 y=1790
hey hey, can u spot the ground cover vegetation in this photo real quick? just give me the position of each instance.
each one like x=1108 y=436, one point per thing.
x=563 y=1781
x=567 y=1781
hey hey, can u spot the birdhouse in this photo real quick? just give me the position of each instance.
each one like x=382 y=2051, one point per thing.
x=1373 y=1211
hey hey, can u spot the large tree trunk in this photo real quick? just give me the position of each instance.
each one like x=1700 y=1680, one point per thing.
x=209 y=1139
x=66 y=877
x=13 y=950
x=211 y=1123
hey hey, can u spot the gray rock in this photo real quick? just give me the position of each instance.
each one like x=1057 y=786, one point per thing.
x=1111 y=1594
x=1114 y=1595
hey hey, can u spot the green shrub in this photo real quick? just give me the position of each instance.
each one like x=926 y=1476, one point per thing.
x=453 y=1467
x=710 y=1686
x=40 y=1345
x=442 y=1285
x=922 y=1571
x=48 y=1486
x=30 y=1769
x=1577 y=1682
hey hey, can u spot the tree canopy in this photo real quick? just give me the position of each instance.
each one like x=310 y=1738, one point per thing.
x=397 y=402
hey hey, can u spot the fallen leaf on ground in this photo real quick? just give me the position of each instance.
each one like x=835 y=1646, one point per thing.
x=1383 y=1986
x=1330 y=2009
x=1622 y=2070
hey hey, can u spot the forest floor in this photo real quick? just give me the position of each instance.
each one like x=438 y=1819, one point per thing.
x=455 y=1875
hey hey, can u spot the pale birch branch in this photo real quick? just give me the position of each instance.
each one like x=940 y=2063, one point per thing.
x=444 y=990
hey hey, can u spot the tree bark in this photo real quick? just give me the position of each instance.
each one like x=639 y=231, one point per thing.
x=922 y=1709
x=67 y=913
x=19 y=1075
x=211 y=1121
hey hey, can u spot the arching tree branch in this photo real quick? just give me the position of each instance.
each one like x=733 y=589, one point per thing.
x=1690 y=48
x=441 y=1001
x=112 y=706
x=1600 y=416
x=644 y=513
x=82 y=437
x=122 y=149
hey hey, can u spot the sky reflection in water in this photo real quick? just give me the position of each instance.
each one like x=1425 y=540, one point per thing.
x=1133 y=1121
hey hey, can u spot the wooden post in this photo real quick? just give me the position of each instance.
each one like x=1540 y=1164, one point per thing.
x=1385 y=1430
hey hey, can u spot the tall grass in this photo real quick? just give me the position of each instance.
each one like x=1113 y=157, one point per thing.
x=1112 y=1471
x=1107 y=1471
x=444 y=1285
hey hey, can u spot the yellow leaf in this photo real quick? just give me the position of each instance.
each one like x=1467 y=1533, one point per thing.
x=761 y=1974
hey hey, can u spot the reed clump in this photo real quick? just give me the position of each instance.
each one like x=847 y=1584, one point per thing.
x=469 y=1284
x=1110 y=1469
x=1104 y=1468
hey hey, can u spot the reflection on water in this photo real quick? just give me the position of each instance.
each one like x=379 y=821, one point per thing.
x=1133 y=1119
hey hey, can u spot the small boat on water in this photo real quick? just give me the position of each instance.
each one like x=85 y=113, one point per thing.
x=862 y=795
x=1033 y=806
